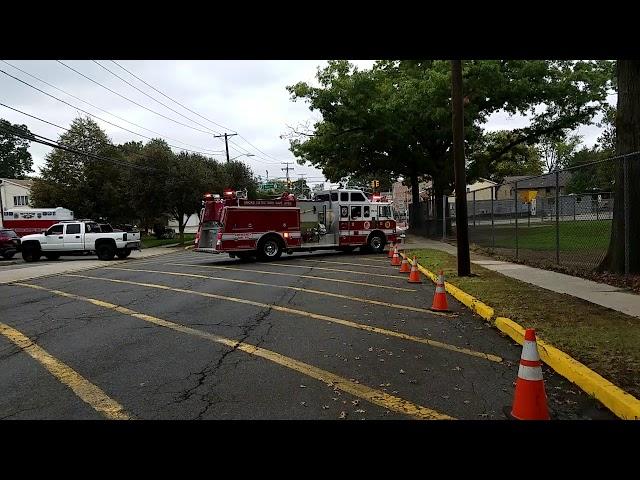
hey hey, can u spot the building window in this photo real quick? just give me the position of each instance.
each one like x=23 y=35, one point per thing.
x=19 y=200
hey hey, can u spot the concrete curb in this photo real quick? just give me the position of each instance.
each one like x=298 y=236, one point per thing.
x=621 y=403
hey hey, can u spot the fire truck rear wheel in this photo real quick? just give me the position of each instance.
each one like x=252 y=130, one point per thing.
x=270 y=248
x=376 y=243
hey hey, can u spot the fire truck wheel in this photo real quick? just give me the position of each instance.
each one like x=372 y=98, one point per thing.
x=270 y=248
x=8 y=255
x=243 y=257
x=376 y=243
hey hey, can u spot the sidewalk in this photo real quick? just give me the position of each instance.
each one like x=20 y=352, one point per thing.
x=28 y=271
x=599 y=293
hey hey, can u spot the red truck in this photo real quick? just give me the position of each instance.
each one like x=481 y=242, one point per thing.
x=339 y=219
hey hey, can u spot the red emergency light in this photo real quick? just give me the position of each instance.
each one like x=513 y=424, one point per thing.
x=228 y=191
x=376 y=198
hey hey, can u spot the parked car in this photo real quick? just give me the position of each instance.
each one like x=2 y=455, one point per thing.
x=75 y=237
x=9 y=243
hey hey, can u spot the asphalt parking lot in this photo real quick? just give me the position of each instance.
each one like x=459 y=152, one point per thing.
x=187 y=335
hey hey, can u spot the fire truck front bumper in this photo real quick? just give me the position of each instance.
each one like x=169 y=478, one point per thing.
x=206 y=250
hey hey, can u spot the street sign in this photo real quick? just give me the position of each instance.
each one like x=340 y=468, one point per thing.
x=528 y=196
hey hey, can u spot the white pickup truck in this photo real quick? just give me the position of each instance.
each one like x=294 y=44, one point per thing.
x=75 y=237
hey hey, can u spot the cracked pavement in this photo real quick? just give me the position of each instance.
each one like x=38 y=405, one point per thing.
x=158 y=373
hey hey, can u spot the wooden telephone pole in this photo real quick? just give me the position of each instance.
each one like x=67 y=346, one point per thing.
x=462 y=229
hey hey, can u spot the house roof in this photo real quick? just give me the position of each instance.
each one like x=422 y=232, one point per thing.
x=544 y=181
x=27 y=183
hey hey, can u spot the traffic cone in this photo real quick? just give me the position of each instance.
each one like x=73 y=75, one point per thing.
x=404 y=267
x=440 y=297
x=390 y=255
x=414 y=275
x=530 y=399
x=395 y=260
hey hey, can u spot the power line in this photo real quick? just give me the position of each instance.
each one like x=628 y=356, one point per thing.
x=107 y=112
x=33 y=116
x=166 y=96
x=146 y=94
x=199 y=115
x=134 y=102
x=95 y=116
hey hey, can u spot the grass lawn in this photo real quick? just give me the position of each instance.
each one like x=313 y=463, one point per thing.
x=605 y=340
x=574 y=235
x=150 y=241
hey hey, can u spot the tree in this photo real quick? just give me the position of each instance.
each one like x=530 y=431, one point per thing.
x=148 y=187
x=190 y=178
x=396 y=117
x=522 y=159
x=238 y=176
x=627 y=131
x=556 y=150
x=86 y=185
x=15 y=159
x=590 y=172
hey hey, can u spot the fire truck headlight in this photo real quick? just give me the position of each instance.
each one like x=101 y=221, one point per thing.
x=286 y=235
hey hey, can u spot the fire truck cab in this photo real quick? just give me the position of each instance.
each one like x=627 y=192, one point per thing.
x=336 y=219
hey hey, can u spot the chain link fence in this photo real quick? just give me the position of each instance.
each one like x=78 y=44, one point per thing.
x=563 y=218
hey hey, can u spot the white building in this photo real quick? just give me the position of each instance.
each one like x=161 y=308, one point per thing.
x=15 y=193
x=191 y=225
x=482 y=189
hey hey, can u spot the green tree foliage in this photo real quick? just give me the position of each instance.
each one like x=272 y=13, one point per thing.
x=557 y=150
x=590 y=177
x=396 y=117
x=521 y=159
x=15 y=159
x=79 y=182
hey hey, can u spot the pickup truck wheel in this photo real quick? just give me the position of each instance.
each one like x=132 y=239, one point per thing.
x=31 y=254
x=106 y=251
x=270 y=248
x=124 y=253
x=52 y=256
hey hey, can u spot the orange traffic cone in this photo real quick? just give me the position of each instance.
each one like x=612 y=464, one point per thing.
x=404 y=267
x=530 y=399
x=440 y=297
x=414 y=275
x=395 y=260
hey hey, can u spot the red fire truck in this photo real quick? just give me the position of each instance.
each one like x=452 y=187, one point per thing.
x=26 y=221
x=341 y=219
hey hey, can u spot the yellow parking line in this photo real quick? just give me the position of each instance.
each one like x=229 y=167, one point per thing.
x=276 y=264
x=87 y=391
x=369 y=394
x=303 y=313
x=346 y=263
x=298 y=289
x=313 y=277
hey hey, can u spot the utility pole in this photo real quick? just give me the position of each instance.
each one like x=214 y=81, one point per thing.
x=287 y=168
x=457 y=110
x=226 y=141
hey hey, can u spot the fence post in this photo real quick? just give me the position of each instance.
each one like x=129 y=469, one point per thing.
x=474 y=209
x=493 y=232
x=515 y=196
x=626 y=215
x=445 y=205
x=574 y=208
x=557 y=217
x=597 y=208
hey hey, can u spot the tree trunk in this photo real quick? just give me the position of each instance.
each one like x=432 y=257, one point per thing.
x=627 y=141
x=416 y=220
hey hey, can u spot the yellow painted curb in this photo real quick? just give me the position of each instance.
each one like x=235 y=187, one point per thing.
x=189 y=247
x=621 y=403
x=485 y=311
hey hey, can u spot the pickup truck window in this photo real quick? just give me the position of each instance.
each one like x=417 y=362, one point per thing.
x=73 y=228
x=92 y=228
x=55 y=230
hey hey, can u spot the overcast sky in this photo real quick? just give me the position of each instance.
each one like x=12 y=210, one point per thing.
x=248 y=97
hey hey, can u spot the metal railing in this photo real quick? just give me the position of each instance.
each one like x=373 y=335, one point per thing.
x=562 y=218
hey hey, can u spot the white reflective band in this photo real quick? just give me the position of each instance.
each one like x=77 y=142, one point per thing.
x=530 y=351
x=440 y=289
x=530 y=373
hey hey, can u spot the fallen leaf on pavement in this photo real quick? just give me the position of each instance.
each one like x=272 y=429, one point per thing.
x=343 y=414
x=401 y=371
x=303 y=386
